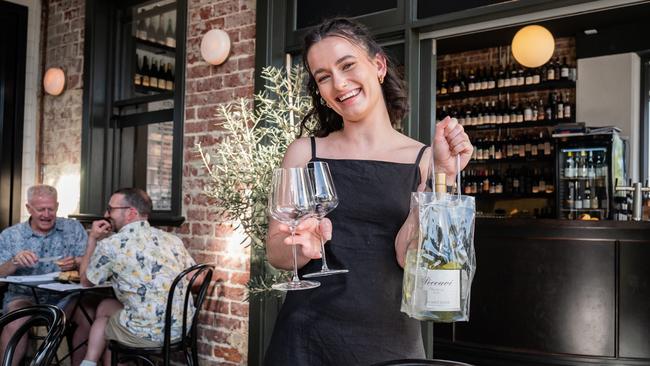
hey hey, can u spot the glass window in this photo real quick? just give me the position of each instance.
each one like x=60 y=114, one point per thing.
x=310 y=13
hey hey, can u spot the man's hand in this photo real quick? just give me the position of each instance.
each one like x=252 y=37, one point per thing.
x=67 y=264
x=25 y=258
x=100 y=229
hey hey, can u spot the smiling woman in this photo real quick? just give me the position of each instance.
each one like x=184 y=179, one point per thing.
x=357 y=95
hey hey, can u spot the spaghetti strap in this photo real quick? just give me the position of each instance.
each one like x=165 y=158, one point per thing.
x=417 y=160
x=313 y=147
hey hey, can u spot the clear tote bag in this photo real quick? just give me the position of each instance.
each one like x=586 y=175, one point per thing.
x=440 y=261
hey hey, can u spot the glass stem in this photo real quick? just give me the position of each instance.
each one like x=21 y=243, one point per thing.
x=295 y=257
x=322 y=251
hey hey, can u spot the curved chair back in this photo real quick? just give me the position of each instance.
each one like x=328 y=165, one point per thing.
x=39 y=315
x=413 y=362
x=201 y=272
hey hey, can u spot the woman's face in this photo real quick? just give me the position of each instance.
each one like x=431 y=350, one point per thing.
x=347 y=79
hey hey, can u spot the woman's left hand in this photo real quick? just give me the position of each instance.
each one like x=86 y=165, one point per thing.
x=451 y=140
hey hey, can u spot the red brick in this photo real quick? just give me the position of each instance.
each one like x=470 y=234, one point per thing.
x=228 y=353
x=239 y=309
x=201 y=229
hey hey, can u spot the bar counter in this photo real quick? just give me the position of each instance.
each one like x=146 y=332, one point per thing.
x=555 y=292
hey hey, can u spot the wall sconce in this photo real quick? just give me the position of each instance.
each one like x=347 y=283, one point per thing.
x=215 y=46
x=54 y=81
x=533 y=46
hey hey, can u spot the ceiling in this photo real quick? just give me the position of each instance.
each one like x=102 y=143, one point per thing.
x=629 y=22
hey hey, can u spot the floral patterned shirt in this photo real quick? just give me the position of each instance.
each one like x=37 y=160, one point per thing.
x=67 y=238
x=142 y=262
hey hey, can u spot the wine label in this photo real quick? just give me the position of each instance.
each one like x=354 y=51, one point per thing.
x=443 y=290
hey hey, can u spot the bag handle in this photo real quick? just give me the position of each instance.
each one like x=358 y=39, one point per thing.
x=433 y=169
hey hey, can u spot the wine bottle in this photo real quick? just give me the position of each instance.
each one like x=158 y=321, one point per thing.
x=455 y=83
x=564 y=70
x=170 y=36
x=151 y=30
x=443 y=84
x=567 y=107
x=491 y=80
x=169 y=80
x=141 y=27
x=550 y=71
x=471 y=80
x=501 y=77
x=146 y=71
x=161 y=76
x=137 y=78
x=521 y=80
x=153 y=74
x=513 y=76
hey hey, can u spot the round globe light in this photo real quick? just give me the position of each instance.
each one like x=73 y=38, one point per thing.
x=215 y=46
x=54 y=81
x=533 y=46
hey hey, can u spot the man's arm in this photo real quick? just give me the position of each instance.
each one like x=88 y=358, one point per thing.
x=8 y=268
x=100 y=229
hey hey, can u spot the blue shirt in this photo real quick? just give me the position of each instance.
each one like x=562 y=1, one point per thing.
x=67 y=238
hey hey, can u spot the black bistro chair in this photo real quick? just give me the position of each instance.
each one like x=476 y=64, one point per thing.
x=187 y=342
x=413 y=362
x=49 y=316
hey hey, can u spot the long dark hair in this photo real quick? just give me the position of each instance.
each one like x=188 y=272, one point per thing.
x=393 y=87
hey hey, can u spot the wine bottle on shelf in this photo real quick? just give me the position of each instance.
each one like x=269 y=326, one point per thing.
x=513 y=75
x=582 y=165
x=551 y=107
x=153 y=74
x=443 y=84
x=455 y=84
x=169 y=80
x=559 y=109
x=141 y=27
x=471 y=80
x=557 y=67
x=484 y=78
x=137 y=78
x=578 y=199
x=146 y=71
x=536 y=76
x=550 y=71
x=151 y=30
x=567 y=107
x=541 y=113
x=543 y=73
x=501 y=77
x=564 y=70
x=528 y=111
x=161 y=75
x=491 y=80
x=586 y=199
x=160 y=31
x=569 y=166
x=170 y=36
x=506 y=77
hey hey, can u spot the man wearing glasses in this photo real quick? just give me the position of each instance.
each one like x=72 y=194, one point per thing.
x=140 y=262
x=42 y=244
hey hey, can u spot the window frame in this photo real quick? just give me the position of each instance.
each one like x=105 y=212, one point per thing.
x=102 y=171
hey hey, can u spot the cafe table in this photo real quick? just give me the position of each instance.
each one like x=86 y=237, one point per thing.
x=49 y=283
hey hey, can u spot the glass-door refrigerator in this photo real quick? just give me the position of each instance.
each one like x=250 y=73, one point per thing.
x=588 y=167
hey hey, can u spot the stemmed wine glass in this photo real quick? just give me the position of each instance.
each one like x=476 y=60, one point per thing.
x=325 y=200
x=291 y=201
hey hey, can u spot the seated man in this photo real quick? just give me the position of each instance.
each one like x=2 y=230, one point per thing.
x=141 y=262
x=30 y=248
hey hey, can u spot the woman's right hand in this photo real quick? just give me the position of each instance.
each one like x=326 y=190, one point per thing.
x=308 y=236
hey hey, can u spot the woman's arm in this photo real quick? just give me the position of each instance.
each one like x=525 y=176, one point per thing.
x=278 y=242
x=450 y=140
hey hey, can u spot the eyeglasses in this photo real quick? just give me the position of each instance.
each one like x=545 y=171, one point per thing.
x=109 y=208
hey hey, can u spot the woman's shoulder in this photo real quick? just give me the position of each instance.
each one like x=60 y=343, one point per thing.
x=298 y=153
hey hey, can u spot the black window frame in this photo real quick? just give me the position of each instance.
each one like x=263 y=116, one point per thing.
x=101 y=154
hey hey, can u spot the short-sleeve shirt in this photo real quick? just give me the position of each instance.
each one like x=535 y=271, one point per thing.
x=142 y=262
x=67 y=238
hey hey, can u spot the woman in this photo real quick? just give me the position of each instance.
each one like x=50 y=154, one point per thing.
x=355 y=318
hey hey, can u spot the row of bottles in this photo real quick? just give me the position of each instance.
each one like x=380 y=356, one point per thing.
x=557 y=107
x=155 y=75
x=521 y=146
x=522 y=180
x=154 y=29
x=585 y=196
x=583 y=164
x=485 y=78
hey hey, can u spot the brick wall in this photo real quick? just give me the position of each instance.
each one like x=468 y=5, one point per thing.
x=224 y=326
x=60 y=130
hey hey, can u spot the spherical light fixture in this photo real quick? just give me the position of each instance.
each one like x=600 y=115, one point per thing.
x=533 y=46
x=54 y=81
x=215 y=46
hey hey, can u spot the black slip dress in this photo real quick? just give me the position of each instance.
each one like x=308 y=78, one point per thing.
x=354 y=318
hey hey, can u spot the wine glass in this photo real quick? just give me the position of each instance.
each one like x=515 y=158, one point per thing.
x=325 y=200
x=290 y=202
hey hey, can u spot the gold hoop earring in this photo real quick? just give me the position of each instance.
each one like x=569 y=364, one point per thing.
x=323 y=102
x=381 y=79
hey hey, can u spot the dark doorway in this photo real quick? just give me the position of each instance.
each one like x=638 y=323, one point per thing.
x=13 y=43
